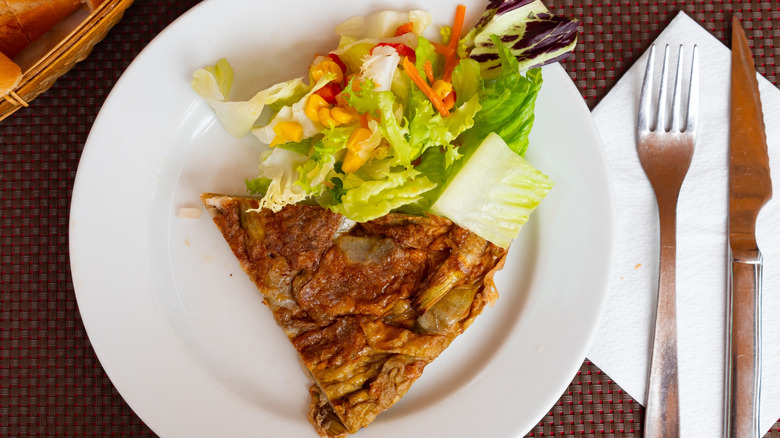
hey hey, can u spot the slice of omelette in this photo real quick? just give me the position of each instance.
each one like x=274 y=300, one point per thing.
x=366 y=305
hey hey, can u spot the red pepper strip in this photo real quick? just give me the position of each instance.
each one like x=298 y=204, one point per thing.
x=411 y=70
x=329 y=92
x=335 y=58
x=402 y=50
x=429 y=71
x=404 y=28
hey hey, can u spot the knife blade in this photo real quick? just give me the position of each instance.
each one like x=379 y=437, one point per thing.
x=750 y=187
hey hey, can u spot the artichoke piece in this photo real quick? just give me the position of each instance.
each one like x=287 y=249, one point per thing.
x=452 y=272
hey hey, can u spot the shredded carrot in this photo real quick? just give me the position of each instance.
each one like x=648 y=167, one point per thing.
x=429 y=71
x=404 y=28
x=457 y=26
x=442 y=49
x=411 y=70
x=449 y=66
x=451 y=60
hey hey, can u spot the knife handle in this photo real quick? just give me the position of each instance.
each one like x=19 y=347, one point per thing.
x=743 y=358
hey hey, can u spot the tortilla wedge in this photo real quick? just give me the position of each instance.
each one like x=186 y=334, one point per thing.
x=366 y=305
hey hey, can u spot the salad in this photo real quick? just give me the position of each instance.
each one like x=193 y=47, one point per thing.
x=393 y=121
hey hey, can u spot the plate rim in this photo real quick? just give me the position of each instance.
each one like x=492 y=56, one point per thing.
x=78 y=207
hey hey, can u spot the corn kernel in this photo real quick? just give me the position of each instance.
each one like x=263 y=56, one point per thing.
x=449 y=101
x=316 y=73
x=358 y=136
x=442 y=88
x=325 y=117
x=354 y=159
x=352 y=162
x=342 y=115
x=327 y=66
x=288 y=131
x=314 y=105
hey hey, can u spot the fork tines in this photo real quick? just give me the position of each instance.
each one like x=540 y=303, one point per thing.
x=645 y=100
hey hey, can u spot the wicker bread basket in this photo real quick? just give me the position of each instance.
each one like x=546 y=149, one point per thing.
x=76 y=46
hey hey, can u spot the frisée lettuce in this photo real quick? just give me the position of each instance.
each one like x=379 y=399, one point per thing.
x=391 y=121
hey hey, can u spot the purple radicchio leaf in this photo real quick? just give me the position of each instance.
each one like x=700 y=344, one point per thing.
x=534 y=35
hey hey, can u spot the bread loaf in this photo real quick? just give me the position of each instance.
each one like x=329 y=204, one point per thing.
x=12 y=38
x=10 y=74
x=93 y=4
x=24 y=21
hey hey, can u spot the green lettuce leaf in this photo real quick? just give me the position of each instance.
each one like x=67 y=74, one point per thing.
x=383 y=24
x=300 y=147
x=426 y=52
x=214 y=83
x=507 y=105
x=353 y=53
x=382 y=104
x=401 y=87
x=364 y=200
x=223 y=74
x=427 y=128
x=280 y=167
x=258 y=186
x=494 y=192
x=294 y=113
x=433 y=166
x=466 y=80
x=322 y=160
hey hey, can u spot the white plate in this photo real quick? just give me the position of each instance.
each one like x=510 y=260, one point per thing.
x=182 y=332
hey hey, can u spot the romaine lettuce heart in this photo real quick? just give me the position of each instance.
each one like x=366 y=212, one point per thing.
x=494 y=192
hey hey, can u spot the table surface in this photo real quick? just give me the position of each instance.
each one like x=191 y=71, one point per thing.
x=51 y=382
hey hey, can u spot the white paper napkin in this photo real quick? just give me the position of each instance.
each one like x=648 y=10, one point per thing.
x=622 y=343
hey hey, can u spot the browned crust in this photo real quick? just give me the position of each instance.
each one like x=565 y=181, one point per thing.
x=24 y=21
x=349 y=312
x=12 y=38
x=10 y=75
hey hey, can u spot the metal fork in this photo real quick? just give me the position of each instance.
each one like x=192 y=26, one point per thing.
x=666 y=156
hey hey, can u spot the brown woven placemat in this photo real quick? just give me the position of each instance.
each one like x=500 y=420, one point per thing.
x=615 y=33
x=51 y=382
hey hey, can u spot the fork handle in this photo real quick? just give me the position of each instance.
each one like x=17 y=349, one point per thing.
x=743 y=378
x=662 y=414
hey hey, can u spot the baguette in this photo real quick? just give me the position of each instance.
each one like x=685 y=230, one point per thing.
x=24 y=21
x=10 y=75
x=93 y=4
x=12 y=38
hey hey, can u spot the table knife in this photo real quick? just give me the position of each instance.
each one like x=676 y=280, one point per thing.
x=750 y=187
